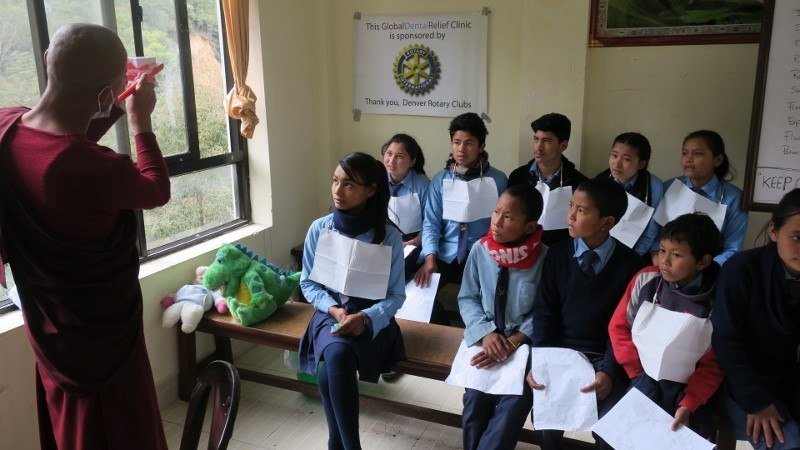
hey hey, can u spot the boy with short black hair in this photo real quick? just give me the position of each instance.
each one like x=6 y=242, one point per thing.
x=682 y=283
x=454 y=220
x=551 y=134
x=582 y=281
x=496 y=302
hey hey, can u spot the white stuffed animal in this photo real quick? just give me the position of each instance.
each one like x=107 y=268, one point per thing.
x=188 y=305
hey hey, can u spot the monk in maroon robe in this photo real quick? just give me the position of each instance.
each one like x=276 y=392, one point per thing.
x=69 y=232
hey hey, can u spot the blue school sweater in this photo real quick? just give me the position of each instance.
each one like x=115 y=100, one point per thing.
x=573 y=311
x=756 y=333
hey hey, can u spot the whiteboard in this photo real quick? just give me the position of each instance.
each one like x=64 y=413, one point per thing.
x=773 y=158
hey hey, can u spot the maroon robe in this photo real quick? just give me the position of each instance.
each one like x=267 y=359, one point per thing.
x=69 y=233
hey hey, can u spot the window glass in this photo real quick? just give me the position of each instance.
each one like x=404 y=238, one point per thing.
x=200 y=201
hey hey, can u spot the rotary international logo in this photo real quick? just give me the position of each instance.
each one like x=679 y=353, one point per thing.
x=416 y=69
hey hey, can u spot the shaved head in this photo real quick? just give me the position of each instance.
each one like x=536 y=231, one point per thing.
x=84 y=58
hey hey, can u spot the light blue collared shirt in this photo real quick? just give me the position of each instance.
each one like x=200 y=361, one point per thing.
x=648 y=242
x=317 y=294
x=603 y=251
x=734 y=226
x=413 y=183
x=476 y=297
x=440 y=236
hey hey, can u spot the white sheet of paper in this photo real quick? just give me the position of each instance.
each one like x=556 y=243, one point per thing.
x=504 y=379
x=419 y=301
x=468 y=201
x=636 y=423
x=680 y=200
x=556 y=206
x=406 y=212
x=633 y=223
x=561 y=405
x=351 y=267
x=407 y=250
x=669 y=343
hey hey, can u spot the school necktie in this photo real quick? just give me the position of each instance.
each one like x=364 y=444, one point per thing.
x=500 y=296
x=698 y=191
x=586 y=260
x=396 y=189
x=463 y=239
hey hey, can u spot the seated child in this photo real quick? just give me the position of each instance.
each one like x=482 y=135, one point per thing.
x=353 y=328
x=549 y=165
x=583 y=279
x=707 y=172
x=757 y=332
x=683 y=282
x=627 y=165
x=454 y=222
x=496 y=301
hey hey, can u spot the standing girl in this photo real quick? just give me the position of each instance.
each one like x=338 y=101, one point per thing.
x=353 y=328
x=627 y=165
x=756 y=334
x=707 y=172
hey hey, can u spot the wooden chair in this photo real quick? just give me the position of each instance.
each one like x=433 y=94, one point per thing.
x=222 y=377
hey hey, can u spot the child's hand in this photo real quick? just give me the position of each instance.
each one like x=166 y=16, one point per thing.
x=423 y=275
x=483 y=361
x=532 y=383
x=766 y=421
x=337 y=313
x=601 y=385
x=352 y=325
x=682 y=416
x=496 y=346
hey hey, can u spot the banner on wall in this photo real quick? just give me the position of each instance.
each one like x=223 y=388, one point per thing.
x=421 y=65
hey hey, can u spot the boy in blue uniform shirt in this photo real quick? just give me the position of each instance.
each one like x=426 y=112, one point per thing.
x=583 y=279
x=496 y=302
x=446 y=236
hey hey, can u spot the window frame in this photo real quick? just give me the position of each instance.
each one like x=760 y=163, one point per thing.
x=180 y=164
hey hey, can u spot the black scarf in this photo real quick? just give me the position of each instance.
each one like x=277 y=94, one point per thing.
x=354 y=224
x=472 y=172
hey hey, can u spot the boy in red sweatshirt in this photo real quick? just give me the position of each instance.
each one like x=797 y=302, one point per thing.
x=661 y=332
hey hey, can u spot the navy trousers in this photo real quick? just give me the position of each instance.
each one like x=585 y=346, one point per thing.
x=338 y=386
x=667 y=394
x=737 y=417
x=494 y=421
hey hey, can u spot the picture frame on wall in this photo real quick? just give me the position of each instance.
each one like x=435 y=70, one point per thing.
x=615 y=23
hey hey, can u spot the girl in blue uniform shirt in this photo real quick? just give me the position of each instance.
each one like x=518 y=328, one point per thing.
x=627 y=165
x=447 y=234
x=408 y=184
x=353 y=328
x=756 y=334
x=707 y=171
x=496 y=302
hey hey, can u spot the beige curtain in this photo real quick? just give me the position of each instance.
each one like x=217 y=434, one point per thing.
x=240 y=103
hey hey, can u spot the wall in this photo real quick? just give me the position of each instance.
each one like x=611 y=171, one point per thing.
x=665 y=93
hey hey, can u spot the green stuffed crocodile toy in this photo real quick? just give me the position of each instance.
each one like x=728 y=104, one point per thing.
x=253 y=289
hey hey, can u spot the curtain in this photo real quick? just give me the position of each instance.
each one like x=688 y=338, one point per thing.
x=240 y=103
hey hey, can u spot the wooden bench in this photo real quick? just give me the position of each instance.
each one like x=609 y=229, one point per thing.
x=430 y=349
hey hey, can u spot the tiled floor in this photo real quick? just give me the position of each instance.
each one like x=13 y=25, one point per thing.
x=271 y=418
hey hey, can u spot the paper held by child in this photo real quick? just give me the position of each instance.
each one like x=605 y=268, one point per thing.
x=419 y=300
x=680 y=200
x=636 y=423
x=633 y=223
x=506 y=378
x=561 y=405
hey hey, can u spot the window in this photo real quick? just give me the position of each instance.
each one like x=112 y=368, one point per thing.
x=206 y=156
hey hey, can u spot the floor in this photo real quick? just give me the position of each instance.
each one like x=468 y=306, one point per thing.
x=270 y=418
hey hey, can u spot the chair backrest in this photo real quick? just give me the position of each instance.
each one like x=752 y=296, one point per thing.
x=222 y=377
